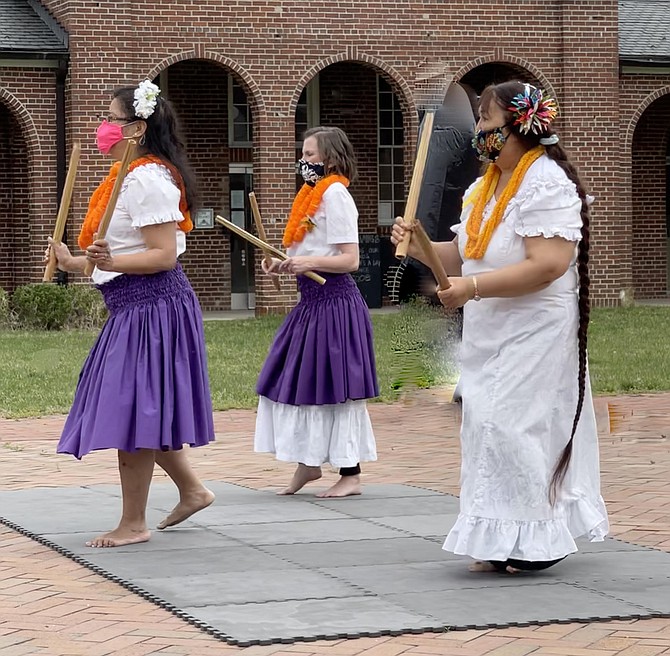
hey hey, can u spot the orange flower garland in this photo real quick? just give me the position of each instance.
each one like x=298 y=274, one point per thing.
x=304 y=206
x=478 y=239
x=100 y=199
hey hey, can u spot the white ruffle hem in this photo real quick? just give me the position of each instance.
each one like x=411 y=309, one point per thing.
x=339 y=434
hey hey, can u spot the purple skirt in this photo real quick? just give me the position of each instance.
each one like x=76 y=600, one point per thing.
x=323 y=353
x=144 y=384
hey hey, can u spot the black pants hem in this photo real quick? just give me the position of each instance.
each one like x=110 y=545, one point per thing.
x=525 y=565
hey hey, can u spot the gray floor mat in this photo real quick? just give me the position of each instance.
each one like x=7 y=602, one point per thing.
x=259 y=569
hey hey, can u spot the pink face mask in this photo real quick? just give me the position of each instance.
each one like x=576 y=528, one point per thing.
x=108 y=135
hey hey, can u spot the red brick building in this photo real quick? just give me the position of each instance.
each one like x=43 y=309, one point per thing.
x=248 y=77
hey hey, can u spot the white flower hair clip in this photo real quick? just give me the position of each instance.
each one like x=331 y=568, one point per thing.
x=146 y=97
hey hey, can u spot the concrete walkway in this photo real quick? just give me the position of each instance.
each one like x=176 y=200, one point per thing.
x=51 y=605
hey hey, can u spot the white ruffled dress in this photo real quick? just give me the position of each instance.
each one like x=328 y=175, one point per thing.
x=519 y=386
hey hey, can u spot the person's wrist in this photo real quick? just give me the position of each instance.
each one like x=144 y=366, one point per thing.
x=65 y=263
x=475 y=289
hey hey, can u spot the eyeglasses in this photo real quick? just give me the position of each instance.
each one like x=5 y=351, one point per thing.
x=110 y=118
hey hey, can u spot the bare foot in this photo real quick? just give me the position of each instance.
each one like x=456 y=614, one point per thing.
x=120 y=537
x=347 y=486
x=302 y=475
x=188 y=506
x=481 y=566
x=485 y=566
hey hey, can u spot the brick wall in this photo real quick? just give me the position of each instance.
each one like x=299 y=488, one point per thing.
x=649 y=224
x=276 y=48
x=643 y=133
x=199 y=91
x=28 y=166
x=14 y=186
x=348 y=99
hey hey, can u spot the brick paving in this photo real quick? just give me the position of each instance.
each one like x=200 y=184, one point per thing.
x=50 y=605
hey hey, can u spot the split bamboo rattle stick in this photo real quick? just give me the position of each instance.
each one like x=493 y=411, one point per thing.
x=63 y=210
x=415 y=184
x=261 y=233
x=128 y=156
x=431 y=257
x=266 y=248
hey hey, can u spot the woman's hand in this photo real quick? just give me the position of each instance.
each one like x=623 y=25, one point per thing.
x=61 y=252
x=401 y=231
x=297 y=265
x=98 y=253
x=461 y=291
x=271 y=269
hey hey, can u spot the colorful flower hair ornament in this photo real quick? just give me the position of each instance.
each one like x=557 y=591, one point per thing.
x=146 y=98
x=533 y=112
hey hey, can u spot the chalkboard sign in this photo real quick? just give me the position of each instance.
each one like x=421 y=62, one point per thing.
x=369 y=274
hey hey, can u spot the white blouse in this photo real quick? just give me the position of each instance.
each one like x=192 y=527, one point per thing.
x=336 y=222
x=148 y=196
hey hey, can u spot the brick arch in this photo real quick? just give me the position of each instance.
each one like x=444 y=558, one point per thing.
x=634 y=119
x=253 y=90
x=25 y=120
x=407 y=101
x=644 y=159
x=508 y=59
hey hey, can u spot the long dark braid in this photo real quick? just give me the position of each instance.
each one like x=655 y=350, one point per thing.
x=503 y=94
x=558 y=154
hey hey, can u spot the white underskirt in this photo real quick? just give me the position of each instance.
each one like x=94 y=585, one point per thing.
x=339 y=434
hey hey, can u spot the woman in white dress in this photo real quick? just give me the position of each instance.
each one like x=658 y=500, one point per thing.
x=321 y=367
x=530 y=480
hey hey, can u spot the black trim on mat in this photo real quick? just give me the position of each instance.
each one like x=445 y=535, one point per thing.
x=220 y=635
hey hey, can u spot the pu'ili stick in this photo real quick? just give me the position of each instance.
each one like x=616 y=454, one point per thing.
x=415 y=185
x=261 y=233
x=128 y=157
x=431 y=257
x=63 y=210
x=265 y=247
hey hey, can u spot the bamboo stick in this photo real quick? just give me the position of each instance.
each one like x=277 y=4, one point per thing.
x=265 y=247
x=431 y=257
x=63 y=210
x=261 y=233
x=417 y=179
x=128 y=156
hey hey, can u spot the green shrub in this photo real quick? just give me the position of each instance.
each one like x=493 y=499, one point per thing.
x=5 y=313
x=42 y=306
x=88 y=308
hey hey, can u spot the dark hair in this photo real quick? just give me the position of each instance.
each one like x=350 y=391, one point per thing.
x=502 y=94
x=164 y=140
x=336 y=150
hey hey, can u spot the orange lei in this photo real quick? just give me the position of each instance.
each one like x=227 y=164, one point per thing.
x=100 y=199
x=305 y=205
x=478 y=239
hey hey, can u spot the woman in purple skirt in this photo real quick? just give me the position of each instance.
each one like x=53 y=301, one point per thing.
x=144 y=387
x=321 y=367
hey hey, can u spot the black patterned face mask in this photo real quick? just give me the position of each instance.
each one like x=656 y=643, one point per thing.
x=311 y=173
x=488 y=144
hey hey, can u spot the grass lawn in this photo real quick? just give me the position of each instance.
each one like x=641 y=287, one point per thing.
x=629 y=352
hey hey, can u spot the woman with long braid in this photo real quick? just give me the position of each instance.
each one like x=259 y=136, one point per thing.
x=530 y=480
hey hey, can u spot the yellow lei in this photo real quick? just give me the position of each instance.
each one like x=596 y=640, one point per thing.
x=478 y=239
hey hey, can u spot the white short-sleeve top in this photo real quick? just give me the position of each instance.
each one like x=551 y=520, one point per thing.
x=148 y=196
x=546 y=204
x=336 y=222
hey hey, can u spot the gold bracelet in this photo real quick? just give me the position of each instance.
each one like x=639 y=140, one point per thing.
x=476 y=297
